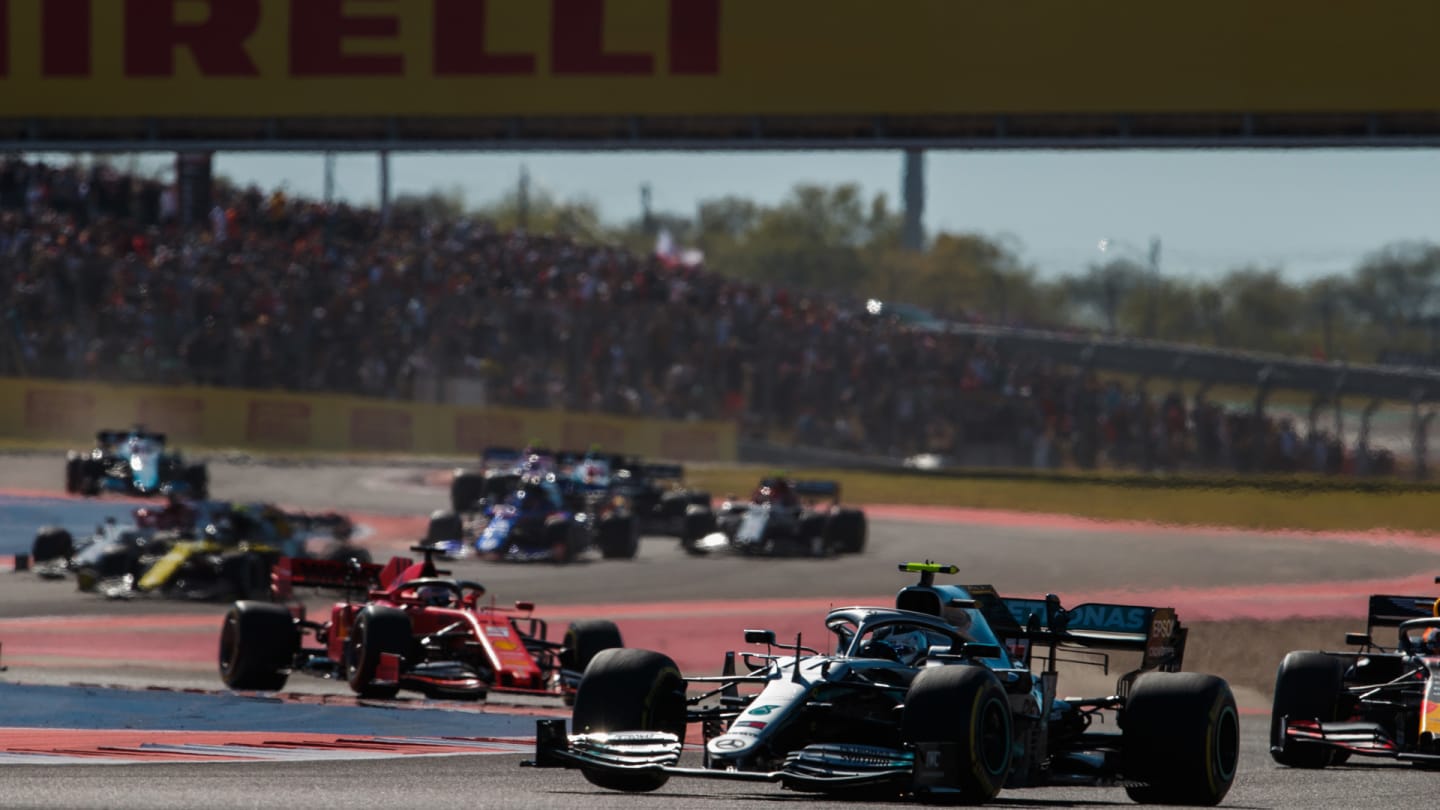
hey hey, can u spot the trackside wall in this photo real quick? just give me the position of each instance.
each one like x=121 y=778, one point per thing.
x=46 y=410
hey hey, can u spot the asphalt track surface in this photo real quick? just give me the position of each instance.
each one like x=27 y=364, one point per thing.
x=1207 y=574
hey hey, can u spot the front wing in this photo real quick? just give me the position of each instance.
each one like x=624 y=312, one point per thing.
x=825 y=767
x=1356 y=737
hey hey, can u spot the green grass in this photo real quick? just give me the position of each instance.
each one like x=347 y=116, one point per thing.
x=1225 y=503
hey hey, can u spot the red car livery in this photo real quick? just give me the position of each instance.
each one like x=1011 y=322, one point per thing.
x=415 y=629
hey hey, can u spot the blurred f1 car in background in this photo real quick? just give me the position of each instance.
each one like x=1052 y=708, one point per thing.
x=192 y=549
x=133 y=462
x=951 y=695
x=538 y=506
x=405 y=625
x=783 y=517
x=658 y=496
x=499 y=473
x=1377 y=701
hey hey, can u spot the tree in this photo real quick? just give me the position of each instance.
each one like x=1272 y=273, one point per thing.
x=1104 y=289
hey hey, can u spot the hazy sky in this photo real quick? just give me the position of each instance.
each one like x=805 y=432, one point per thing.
x=1307 y=212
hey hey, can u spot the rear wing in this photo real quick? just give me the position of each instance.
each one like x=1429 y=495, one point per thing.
x=662 y=472
x=495 y=456
x=339 y=526
x=290 y=573
x=1390 y=610
x=1155 y=632
x=817 y=489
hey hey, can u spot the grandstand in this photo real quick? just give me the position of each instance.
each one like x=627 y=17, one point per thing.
x=271 y=292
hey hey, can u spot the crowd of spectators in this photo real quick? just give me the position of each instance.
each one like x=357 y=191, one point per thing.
x=275 y=292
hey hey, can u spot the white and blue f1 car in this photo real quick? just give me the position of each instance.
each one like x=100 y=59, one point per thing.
x=133 y=462
x=934 y=698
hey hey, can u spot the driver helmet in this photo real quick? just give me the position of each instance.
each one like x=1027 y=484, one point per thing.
x=436 y=595
x=909 y=645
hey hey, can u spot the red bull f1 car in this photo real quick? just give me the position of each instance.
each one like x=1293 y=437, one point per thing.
x=414 y=628
x=950 y=695
x=1380 y=700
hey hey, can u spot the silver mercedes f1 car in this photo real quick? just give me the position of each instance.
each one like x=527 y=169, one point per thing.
x=934 y=698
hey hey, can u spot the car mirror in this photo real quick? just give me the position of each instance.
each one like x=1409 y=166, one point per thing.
x=1358 y=639
x=766 y=637
x=525 y=607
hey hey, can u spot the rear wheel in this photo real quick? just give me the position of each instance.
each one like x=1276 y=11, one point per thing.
x=566 y=540
x=74 y=473
x=964 y=706
x=1181 y=738
x=52 y=543
x=672 y=504
x=258 y=642
x=586 y=639
x=444 y=526
x=466 y=490
x=197 y=478
x=92 y=472
x=1308 y=686
x=630 y=690
x=378 y=631
x=620 y=538
x=845 y=531
x=248 y=576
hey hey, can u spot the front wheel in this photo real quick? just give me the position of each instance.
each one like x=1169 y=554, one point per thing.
x=963 y=708
x=1308 y=686
x=258 y=642
x=630 y=690
x=377 y=632
x=1181 y=738
x=52 y=543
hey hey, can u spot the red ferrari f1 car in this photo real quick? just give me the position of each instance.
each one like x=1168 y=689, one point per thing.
x=414 y=629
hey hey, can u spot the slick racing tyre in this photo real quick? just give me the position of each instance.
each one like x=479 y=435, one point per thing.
x=52 y=543
x=197 y=479
x=629 y=690
x=672 y=504
x=466 y=489
x=699 y=522
x=619 y=538
x=845 y=531
x=586 y=639
x=377 y=631
x=1181 y=737
x=248 y=575
x=444 y=526
x=92 y=473
x=1308 y=686
x=963 y=706
x=258 y=642
x=74 y=474
x=566 y=540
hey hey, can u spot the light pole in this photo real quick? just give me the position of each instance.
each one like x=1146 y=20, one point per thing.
x=1152 y=276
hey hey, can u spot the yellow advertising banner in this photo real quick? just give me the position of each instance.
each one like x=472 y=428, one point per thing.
x=497 y=58
x=45 y=410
